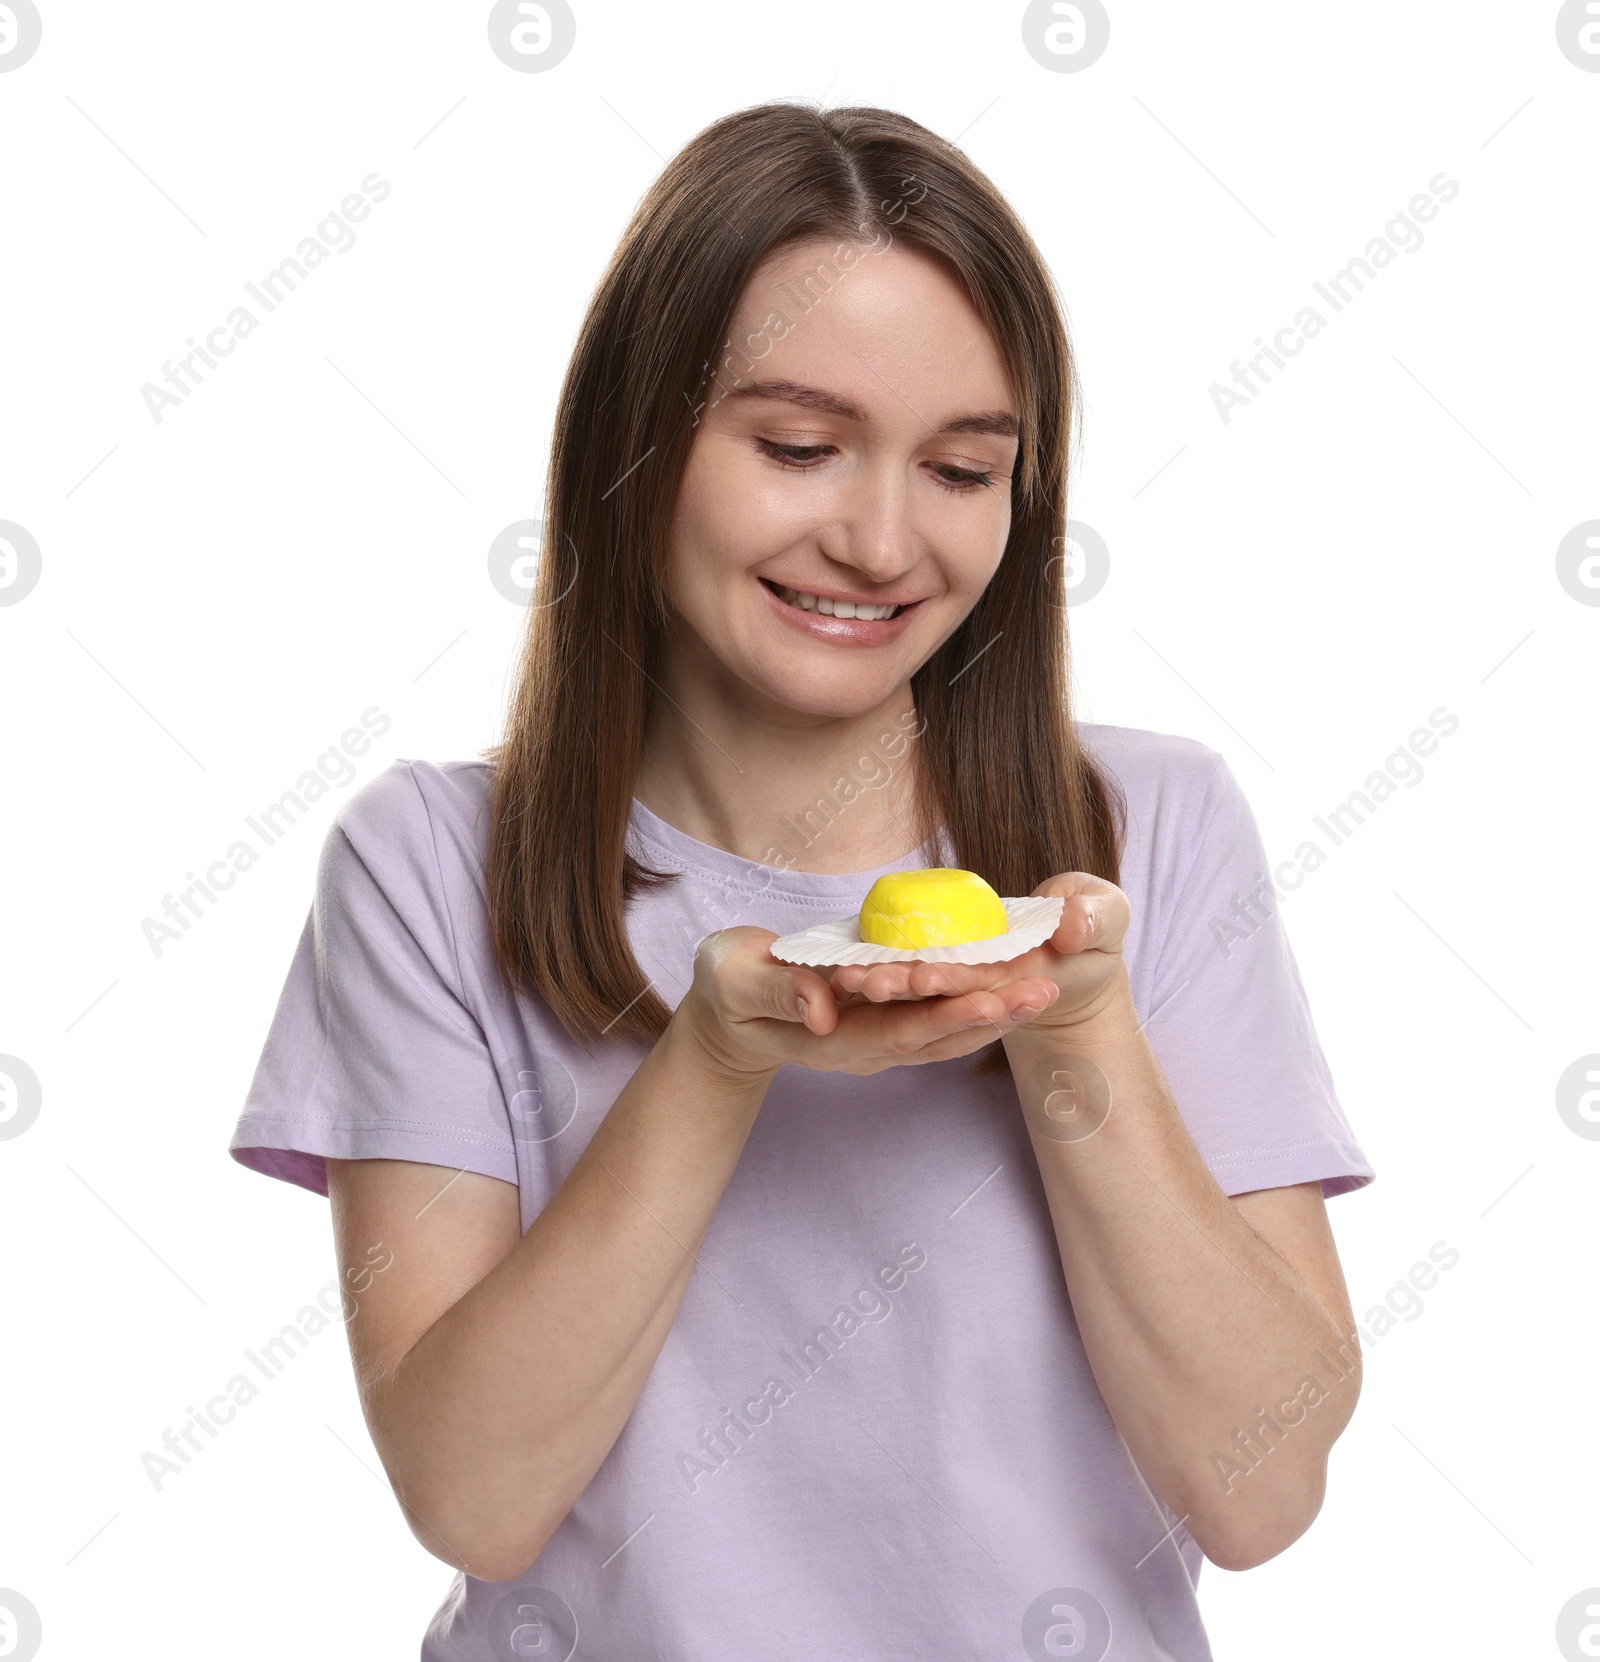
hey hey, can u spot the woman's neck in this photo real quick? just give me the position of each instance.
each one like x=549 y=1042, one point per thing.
x=780 y=787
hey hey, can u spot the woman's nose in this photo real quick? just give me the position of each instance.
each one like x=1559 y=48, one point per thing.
x=876 y=536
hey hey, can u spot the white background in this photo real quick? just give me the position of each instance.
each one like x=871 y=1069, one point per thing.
x=225 y=591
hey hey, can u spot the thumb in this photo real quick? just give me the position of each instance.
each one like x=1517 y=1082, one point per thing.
x=794 y=993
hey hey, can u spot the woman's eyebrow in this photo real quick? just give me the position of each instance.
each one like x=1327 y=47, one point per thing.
x=999 y=422
x=792 y=392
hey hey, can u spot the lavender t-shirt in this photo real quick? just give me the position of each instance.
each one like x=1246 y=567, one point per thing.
x=872 y=1431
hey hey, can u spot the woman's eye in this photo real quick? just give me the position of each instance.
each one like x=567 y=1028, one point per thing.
x=800 y=457
x=960 y=478
x=792 y=455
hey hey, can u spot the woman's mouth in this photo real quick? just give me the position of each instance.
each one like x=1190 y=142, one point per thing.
x=825 y=606
x=829 y=617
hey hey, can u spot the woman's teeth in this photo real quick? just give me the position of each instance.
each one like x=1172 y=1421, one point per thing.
x=833 y=608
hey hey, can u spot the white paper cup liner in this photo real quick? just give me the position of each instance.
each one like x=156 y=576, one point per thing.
x=1030 y=922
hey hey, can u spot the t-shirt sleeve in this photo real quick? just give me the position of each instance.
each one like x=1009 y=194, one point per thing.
x=372 y=1051
x=1229 y=1020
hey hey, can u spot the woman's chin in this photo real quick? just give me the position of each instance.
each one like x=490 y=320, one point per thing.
x=826 y=696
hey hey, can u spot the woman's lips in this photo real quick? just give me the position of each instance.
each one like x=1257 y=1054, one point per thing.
x=865 y=631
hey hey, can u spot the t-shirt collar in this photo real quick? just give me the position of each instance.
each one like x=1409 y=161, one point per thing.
x=690 y=854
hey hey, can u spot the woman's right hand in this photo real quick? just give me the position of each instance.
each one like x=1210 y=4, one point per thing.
x=751 y=1014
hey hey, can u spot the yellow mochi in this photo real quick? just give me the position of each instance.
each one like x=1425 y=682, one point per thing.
x=941 y=906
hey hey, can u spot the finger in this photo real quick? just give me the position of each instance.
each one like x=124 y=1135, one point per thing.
x=797 y=994
x=877 y=982
x=1033 y=995
x=910 y=1026
x=929 y=980
x=1095 y=912
x=896 y=1030
x=1022 y=1001
x=919 y=978
x=1078 y=927
x=867 y=1038
x=929 y=1020
x=753 y=984
x=924 y=980
x=888 y=981
x=847 y=978
x=1003 y=1010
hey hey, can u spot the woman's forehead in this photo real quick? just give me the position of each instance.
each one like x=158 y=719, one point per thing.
x=856 y=339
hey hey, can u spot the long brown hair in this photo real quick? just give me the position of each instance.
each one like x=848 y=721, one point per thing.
x=1000 y=764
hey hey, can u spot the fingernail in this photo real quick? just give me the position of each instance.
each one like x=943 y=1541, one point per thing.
x=804 y=1009
x=1024 y=1012
x=979 y=1021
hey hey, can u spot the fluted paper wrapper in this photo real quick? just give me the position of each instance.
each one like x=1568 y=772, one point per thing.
x=1030 y=922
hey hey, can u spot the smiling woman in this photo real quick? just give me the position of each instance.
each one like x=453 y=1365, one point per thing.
x=899 y=436
x=536 y=1041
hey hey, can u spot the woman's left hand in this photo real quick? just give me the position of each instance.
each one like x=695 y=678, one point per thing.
x=1076 y=973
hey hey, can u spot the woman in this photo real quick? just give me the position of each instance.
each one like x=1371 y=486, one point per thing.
x=730 y=1309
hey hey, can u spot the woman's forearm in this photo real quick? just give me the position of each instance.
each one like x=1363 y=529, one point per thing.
x=496 y=1419
x=1194 y=1326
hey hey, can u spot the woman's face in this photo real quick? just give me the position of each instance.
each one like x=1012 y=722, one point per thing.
x=855 y=457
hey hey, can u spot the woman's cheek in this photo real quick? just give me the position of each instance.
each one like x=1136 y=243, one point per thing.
x=976 y=572
x=759 y=522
